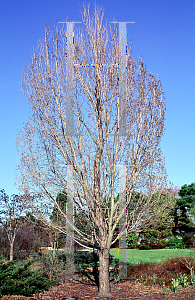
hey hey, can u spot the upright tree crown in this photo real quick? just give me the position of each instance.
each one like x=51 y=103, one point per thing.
x=84 y=80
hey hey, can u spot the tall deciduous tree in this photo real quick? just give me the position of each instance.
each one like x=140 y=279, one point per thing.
x=96 y=149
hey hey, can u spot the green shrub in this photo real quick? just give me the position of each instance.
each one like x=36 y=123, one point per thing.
x=19 y=279
x=176 y=242
x=154 y=239
x=132 y=240
x=144 y=246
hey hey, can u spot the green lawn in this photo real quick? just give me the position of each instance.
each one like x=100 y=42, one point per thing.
x=135 y=257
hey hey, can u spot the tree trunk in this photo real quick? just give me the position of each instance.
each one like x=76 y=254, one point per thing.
x=104 y=280
x=11 y=252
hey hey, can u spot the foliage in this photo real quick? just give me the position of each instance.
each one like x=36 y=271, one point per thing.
x=182 y=221
x=87 y=264
x=19 y=279
x=132 y=240
x=61 y=200
x=187 y=194
x=160 y=229
x=81 y=221
x=176 y=242
x=181 y=280
x=185 y=206
x=156 y=238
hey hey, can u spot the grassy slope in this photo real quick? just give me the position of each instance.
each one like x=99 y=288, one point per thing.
x=135 y=257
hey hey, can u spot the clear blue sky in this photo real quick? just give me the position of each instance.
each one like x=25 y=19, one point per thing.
x=164 y=34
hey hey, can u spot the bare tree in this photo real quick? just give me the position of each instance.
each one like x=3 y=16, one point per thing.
x=94 y=147
x=11 y=218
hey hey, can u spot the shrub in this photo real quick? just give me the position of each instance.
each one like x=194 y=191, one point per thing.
x=176 y=242
x=19 y=279
x=132 y=240
x=144 y=246
x=154 y=239
x=189 y=240
x=53 y=262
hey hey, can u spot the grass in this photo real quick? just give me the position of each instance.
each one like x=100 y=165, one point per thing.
x=158 y=267
x=142 y=264
x=137 y=257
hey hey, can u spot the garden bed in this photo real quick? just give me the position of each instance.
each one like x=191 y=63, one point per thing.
x=124 y=290
x=145 y=281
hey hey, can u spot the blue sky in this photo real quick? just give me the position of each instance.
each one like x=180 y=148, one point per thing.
x=164 y=34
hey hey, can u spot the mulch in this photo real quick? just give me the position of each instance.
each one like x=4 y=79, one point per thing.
x=74 y=290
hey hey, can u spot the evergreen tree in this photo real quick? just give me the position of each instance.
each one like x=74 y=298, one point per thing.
x=161 y=228
x=185 y=208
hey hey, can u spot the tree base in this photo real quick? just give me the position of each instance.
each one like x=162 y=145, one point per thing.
x=107 y=295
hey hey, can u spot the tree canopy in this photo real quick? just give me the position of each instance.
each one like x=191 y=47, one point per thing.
x=187 y=196
x=185 y=208
x=81 y=90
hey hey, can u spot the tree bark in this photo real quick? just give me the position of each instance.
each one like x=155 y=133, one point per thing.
x=11 y=251
x=104 y=280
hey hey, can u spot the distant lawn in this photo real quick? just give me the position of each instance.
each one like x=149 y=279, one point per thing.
x=135 y=257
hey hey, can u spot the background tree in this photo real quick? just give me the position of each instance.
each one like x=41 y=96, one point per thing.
x=185 y=208
x=11 y=217
x=4 y=243
x=26 y=242
x=187 y=196
x=57 y=237
x=97 y=149
x=160 y=229
x=80 y=220
x=41 y=231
